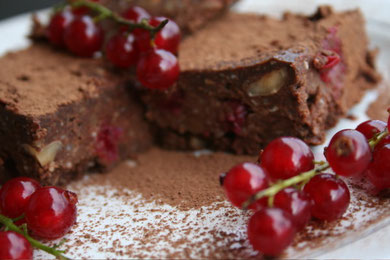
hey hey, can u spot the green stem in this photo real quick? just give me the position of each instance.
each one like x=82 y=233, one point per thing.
x=105 y=13
x=274 y=189
x=377 y=138
x=11 y=226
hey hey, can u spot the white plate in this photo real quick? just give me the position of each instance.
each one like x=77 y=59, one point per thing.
x=95 y=218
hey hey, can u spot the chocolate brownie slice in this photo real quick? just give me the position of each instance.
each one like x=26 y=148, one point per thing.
x=247 y=79
x=62 y=115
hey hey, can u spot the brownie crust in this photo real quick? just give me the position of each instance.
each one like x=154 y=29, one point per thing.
x=248 y=79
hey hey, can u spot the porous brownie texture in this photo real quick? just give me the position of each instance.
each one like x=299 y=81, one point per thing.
x=247 y=79
x=62 y=116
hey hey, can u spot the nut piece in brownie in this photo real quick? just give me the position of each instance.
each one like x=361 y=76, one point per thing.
x=247 y=79
x=61 y=115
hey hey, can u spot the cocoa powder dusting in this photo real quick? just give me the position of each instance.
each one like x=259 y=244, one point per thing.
x=378 y=109
x=176 y=178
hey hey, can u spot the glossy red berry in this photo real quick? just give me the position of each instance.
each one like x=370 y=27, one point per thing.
x=57 y=26
x=121 y=50
x=51 y=212
x=83 y=36
x=169 y=36
x=136 y=14
x=14 y=246
x=286 y=157
x=15 y=195
x=378 y=171
x=271 y=230
x=329 y=195
x=243 y=181
x=371 y=127
x=348 y=153
x=383 y=142
x=158 y=69
x=295 y=202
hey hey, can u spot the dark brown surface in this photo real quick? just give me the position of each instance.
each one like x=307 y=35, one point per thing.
x=48 y=97
x=221 y=64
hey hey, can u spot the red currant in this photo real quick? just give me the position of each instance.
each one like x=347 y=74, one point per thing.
x=82 y=10
x=57 y=26
x=121 y=50
x=330 y=196
x=271 y=230
x=83 y=36
x=388 y=120
x=136 y=14
x=383 y=142
x=243 y=181
x=295 y=202
x=158 y=69
x=51 y=212
x=14 y=246
x=169 y=36
x=371 y=127
x=286 y=157
x=379 y=169
x=348 y=153
x=15 y=195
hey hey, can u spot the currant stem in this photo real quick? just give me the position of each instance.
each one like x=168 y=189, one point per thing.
x=377 y=138
x=274 y=189
x=105 y=13
x=9 y=224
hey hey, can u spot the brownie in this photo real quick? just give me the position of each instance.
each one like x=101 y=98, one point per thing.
x=63 y=115
x=247 y=79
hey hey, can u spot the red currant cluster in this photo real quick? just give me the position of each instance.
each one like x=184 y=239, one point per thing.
x=149 y=43
x=287 y=187
x=28 y=208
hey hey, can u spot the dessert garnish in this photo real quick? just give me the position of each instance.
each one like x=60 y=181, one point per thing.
x=29 y=211
x=148 y=43
x=286 y=187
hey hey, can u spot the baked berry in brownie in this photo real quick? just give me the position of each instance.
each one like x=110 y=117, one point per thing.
x=247 y=79
x=61 y=115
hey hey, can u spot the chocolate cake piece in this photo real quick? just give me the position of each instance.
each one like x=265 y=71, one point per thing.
x=247 y=79
x=62 y=115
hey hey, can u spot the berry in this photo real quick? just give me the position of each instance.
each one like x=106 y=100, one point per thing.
x=329 y=195
x=83 y=36
x=136 y=14
x=168 y=38
x=15 y=195
x=243 y=181
x=271 y=230
x=14 y=246
x=121 y=50
x=57 y=26
x=51 y=212
x=379 y=169
x=295 y=202
x=286 y=157
x=348 y=153
x=107 y=141
x=371 y=127
x=383 y=142
x=236 y=116
x=158 y=69
x=82 y=10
